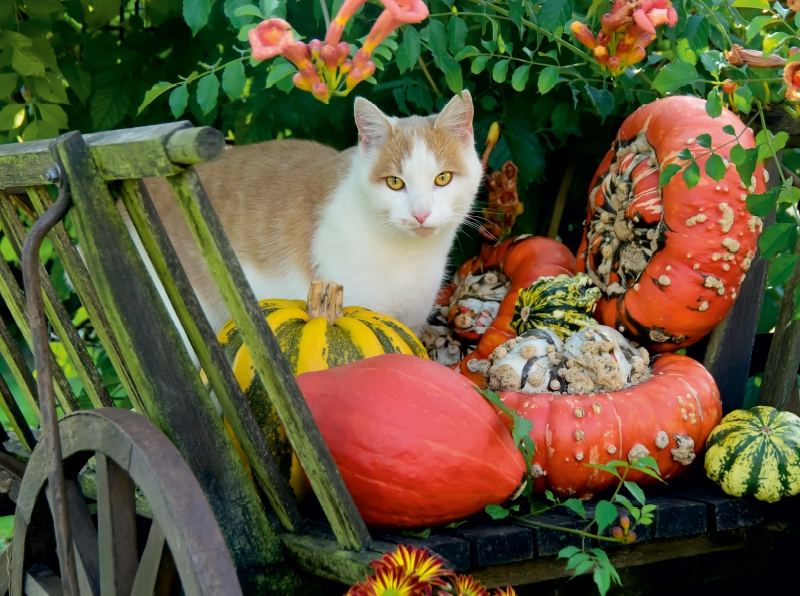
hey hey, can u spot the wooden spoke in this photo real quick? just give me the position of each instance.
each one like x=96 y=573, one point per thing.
x=150 y=568
x=116 y=524
x=42 y=582
x=84 y=540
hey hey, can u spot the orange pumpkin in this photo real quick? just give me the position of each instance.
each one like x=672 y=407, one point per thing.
x=670 y=261
x=522 y=260
x=668 y=417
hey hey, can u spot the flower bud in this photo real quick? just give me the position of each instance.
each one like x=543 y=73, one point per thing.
x=637 y=54
x=601 y=55
x=320 y=91
x=614 y=62
x=583 y=35
x=617 y=533
x=625 y=522
x=346 y=66
x=614 y=21
x=301 y=82
x=354 y=77
x=342 y=51
x=631 y=537
x=369 y=69
x=331 y=57
x=315 y=46
x=494 y=134
x=729 y=86
x=360 y=59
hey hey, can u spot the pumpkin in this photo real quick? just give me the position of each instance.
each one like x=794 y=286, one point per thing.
x=756 y=452
x=669 y=262
x=478 y=305
x=313 y=335
x=416 y=445
x=668 y=416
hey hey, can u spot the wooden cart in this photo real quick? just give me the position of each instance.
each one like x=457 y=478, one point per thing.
x=113 y=502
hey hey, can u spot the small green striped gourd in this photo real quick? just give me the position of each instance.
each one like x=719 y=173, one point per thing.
x=560 y=303
x=756 y=452
x=313 y=335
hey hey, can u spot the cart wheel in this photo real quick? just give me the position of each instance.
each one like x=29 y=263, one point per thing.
x=183 y=551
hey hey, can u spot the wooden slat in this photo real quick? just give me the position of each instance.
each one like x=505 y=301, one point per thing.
x=547 y=541
x=120 y=154
x=455 y=551
x=56 y=314
x=84 y=288
x=19 y=370
x=15 y=303
x=731 y=344
x=270 y=363
x=174 y=396
x=219 y=373
x=724 y=512
x=497 y=544
x=14 y=415
x=116 y=528
x=677 y=517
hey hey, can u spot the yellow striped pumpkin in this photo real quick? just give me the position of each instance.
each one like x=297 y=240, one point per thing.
x=756 y=452
x=313 y=335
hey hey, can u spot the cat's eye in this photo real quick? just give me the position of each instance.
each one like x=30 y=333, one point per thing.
x=443 y=179
x=395 y=183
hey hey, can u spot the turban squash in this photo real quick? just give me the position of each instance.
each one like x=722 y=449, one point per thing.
x=415 y=443
x=669 y=261
x=668 y=417
x=314 y=335
x=520 y=261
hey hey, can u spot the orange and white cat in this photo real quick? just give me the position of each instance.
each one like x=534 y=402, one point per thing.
x=378 y=218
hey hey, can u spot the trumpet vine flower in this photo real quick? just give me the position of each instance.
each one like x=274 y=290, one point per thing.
x=324 y=68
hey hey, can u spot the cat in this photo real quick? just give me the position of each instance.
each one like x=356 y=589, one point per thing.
x=378 y=218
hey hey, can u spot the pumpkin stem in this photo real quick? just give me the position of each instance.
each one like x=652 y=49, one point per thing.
x=325 y=299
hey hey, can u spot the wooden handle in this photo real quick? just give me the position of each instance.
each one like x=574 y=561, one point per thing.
x=325 y=299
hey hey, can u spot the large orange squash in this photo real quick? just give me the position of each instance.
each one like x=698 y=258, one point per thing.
x=668 y=416
x=521 y=260
x=415 y=443
x=669 y=261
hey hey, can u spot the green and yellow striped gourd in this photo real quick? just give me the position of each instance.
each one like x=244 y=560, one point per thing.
x=314 y=335
x=756 y=452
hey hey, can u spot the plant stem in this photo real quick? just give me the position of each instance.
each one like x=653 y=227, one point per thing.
x=325 y=14
x=769 y=141
x=428 y=76
x=566 y=530
x=719 y=23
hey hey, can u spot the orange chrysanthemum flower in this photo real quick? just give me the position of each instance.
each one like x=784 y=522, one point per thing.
x=466 y=585
x=416 y=562
x=509 y=591
x=390 y=582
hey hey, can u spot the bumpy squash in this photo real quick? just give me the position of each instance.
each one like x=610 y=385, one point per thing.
x=415 y=443
x=670 y=261
x=668 y=417
x=756 y=452
x=314 y=335
x=520 y=261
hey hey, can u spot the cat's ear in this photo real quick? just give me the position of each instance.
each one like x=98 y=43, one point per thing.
x=373 y=125
x=456 y=117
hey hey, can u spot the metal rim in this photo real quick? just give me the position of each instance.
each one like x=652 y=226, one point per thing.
x=129 y=450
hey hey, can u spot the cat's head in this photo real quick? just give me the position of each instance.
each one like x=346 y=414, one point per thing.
x=421 y=174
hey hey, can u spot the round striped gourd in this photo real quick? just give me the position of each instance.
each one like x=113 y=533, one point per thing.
x=756 y=452
x=314 y=335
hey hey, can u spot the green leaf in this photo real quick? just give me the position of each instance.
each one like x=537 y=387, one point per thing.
x=548 y=78
x=775 y=239
x=78 y=79
x=747 y=166
x=714 y=104
x=789 y=195
x=715 y=167
x=780 y=268
x=516 y=10
x=522 y=427
x=456 y=34
x=583 y=567
x=637 y=492
x=738 y=154
x=246 y=10
x=196 y=13
x=49 y=88
x=756 y=25
x=497 y=511
x=761 y=4
x=12 y=116
x=8 y=84
x=54 y=114
x=207 y=92
x=743 y=98
x=577 y=559
x=729 y=130
x=602 y=99
x=109 y=104
x=704 y=140
x=765 y=139
x=714 y=61
x=479 y=64
x=520 y=78
x=667 y=173
x=691 y=175
x=604 y=514
x=568 y=552
x=233 y=80
x=500 y=70
x=437 y=39
x=576 y=506
x=281 y=68
x=685 y=154
x=554 y=14
x=452 y=73
x=761 y=205
x=27 y=64
x=153 y=93
x=178 y=100
x=602 y=579
x=411 y=45
x=39 y=129
x=467 y=52
x=674 y=75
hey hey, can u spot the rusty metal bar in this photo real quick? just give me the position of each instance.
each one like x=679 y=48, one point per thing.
x=56 y=486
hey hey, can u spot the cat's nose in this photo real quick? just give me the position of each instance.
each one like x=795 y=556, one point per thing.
x=421 y=216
